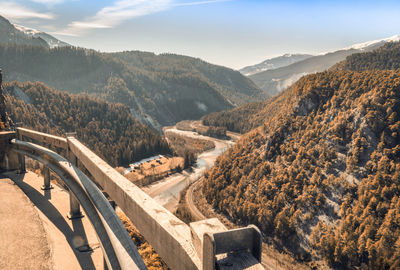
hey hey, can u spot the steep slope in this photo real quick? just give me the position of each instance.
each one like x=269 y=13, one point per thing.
x=159 y=89
x=276 y=80
x=244 y=118
x=10 y=34
x=274 y=63
x=108 y=129
x=320 y=176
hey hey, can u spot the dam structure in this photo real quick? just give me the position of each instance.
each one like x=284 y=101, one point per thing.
x=95 y=187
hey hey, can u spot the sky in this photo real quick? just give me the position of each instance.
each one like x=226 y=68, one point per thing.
x=232 y=33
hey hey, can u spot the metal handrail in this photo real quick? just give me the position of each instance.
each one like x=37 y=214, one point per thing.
x=118 y=248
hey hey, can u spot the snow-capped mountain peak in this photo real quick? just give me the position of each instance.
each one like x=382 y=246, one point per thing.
x=26 y=30
x=274 y=63
x=51 y=41
x=364 y=45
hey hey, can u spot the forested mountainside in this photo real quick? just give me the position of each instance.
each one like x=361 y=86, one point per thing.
x=249 y=116
x=106 y=128
x=163 y=88
x=10 y=34
x=386 y=57
x=244 y=118
x=321 y=176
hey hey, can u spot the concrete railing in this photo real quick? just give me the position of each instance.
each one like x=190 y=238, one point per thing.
x=181 y=246
x=118 y=248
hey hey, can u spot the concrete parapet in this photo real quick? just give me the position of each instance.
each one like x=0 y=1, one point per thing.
x=199 y=228
x=8 y=160
x=41 y=137
x=168 y=235
x=211 y=238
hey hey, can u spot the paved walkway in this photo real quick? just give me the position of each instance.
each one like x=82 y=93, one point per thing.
x=35 y=232
x=23 y=242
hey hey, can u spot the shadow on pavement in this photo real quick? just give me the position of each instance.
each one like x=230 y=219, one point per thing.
x=42 y=203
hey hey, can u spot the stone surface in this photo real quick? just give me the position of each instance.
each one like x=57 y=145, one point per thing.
x=65 y=237
x=23 y=241
x=199 y=228
x=8 y=161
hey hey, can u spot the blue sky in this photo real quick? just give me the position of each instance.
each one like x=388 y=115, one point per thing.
x=233 y=33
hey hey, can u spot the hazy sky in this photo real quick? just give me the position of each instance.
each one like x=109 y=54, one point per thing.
x=234 y=33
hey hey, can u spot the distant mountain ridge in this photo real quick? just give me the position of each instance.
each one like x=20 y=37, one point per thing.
x=275 y=80
x=20 y=35
x=273 y=63
x=159 y=89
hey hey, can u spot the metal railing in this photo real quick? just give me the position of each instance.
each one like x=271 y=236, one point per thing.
x=117 y=246
x=181 y=246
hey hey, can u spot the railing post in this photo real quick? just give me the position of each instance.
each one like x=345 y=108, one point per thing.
x=21 y=158
x=75 y=207
x=46 y=175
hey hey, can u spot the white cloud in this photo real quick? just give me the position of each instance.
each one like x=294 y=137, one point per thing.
x=200 y=3
x=48 y=2
x=111 y=16
x=14 y=11
x=122 y=10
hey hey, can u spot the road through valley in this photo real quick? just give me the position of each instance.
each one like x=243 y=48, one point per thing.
x=167 y=191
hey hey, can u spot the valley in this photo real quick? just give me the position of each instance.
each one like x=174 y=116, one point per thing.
x=303 y=145
x=167 y=191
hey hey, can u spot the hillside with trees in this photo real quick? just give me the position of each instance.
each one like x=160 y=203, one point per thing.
x=385 y=57
x=159 y=89
x=106 y=128
x=247 y=117
x=320 y=177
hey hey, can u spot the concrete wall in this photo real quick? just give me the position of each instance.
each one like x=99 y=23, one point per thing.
x=8 y=160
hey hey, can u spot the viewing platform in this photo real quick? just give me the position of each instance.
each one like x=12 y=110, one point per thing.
x=35 y=232
x=204 y=245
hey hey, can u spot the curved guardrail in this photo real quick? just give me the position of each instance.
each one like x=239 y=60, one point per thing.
x=118 y=248
x=181 y=246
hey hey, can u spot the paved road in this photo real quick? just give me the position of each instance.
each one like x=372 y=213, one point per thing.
x=196 y=214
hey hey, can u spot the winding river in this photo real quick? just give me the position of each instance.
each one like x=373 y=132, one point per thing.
x=167 y=191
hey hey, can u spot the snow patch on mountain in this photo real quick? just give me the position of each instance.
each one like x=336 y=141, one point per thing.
x=52 y=41
x=273 y=63
x=364 y=45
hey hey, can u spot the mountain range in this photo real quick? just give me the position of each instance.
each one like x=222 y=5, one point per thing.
x=275 y=80
x=160 y=89
x=274 y=63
